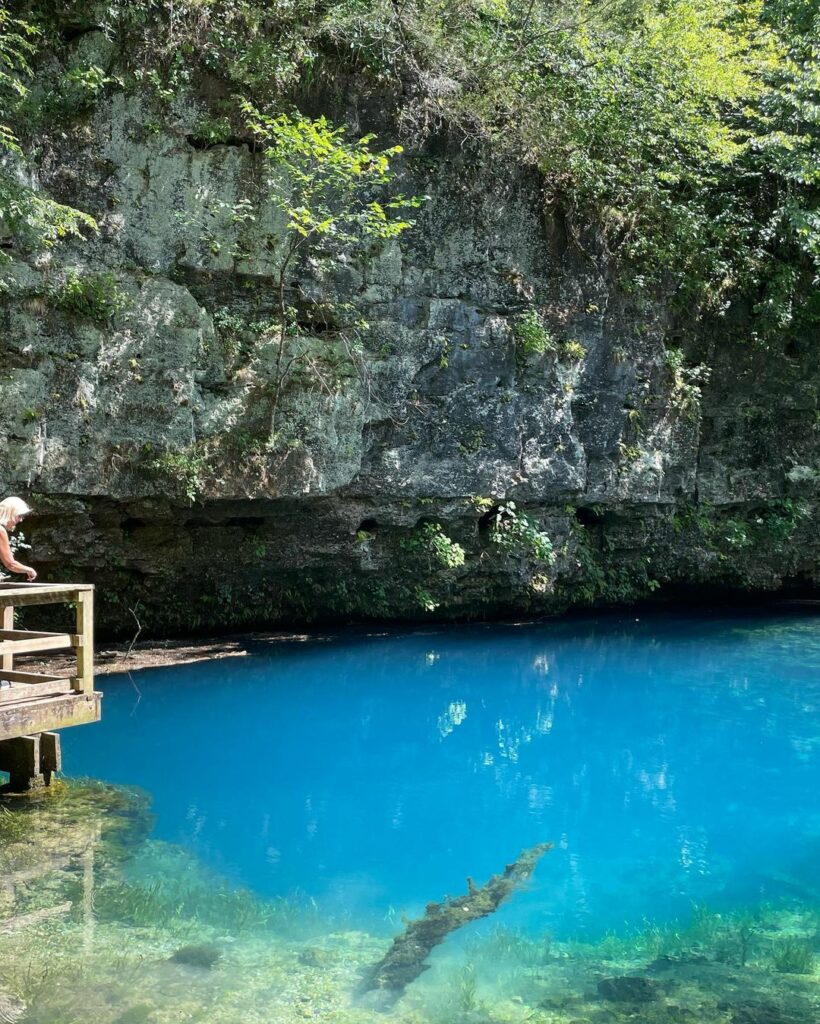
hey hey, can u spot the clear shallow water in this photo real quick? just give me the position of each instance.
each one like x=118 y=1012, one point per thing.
x=672 y=760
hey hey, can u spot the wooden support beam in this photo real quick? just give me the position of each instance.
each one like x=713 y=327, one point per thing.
x=27 y=685
x=85 y=647
x=65 y=590
x=29 y=691
x=8 y=624
x=20 y=757
x=30 y=760
x=32 y=677
x=21 y=644
x=29 y=634
x=47 y=597
x=51 y=755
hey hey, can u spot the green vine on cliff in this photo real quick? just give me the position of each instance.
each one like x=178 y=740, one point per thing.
x=31 y=219
x=95 y=296
x=725 y=532
x=185 y=471
x=513 y=532
x=431 y=542
x=328 y=187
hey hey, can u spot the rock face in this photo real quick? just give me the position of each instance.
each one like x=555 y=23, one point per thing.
x=140 y=423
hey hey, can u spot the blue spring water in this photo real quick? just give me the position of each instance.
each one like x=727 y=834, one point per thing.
x=672 y=760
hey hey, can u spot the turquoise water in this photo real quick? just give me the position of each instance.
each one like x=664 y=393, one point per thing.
x=299 y=804
x=674 y=761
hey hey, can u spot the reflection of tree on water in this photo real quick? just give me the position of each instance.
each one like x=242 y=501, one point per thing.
x=50 y=843
x=53 y=837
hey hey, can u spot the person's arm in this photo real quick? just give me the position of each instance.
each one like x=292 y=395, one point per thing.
x=10 y=562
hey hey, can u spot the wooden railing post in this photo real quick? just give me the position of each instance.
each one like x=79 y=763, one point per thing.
x=85 y=644
x=8 y=623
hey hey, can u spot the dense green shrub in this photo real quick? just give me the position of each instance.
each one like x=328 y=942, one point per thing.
x=31 y=219
x=513 y=532
x=531 y=334
x=96 y=296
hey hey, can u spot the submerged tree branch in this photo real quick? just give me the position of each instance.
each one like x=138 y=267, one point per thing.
x=404 y=961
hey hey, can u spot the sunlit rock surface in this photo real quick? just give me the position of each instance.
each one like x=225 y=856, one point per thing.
x=146 y=438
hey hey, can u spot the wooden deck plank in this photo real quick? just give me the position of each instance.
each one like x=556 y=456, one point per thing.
x=25 y=634
x=7 y=617
x=47 y=597
x=48 y=713
x=33 y=634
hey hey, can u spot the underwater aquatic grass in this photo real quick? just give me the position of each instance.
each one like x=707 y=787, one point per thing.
x=163 y=904
x=793 y=956
x=730 y=938
x=510 y=944
x=647 y=942
x=15 y=825
x=468 y=988
x=140 y=1013
x=31 y=982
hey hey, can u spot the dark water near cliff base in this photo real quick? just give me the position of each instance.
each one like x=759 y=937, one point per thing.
x=309 y=796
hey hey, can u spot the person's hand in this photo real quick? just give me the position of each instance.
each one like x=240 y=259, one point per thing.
x=31 y=575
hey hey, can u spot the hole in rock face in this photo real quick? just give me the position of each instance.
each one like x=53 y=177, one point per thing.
x=315 y=327
x=132 y=524
x=232 y=140
x=367 y=526
x=72 y=32
x=487 y=521
x=587 y=516
x=246 y=522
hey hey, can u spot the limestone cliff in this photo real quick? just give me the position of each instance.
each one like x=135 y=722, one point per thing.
x=139 y=424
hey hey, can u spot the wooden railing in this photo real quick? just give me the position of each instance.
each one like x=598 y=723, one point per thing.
x=33 y=705
x=25 y=641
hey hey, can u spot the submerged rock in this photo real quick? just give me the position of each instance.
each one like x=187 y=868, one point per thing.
x=629 y=990
x=315 y=957
x=770 y=1013
x=204 y=955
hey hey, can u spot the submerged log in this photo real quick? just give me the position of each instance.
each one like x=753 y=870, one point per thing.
x=404 y=961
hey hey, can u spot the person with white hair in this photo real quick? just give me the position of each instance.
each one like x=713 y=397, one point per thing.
x=12 y=511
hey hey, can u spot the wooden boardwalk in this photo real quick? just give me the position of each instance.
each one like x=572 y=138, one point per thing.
x=33 y=704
